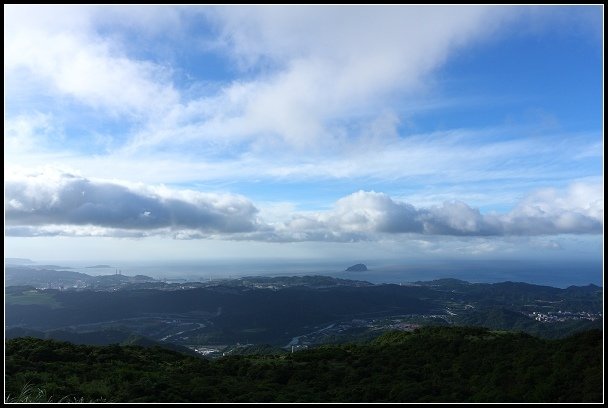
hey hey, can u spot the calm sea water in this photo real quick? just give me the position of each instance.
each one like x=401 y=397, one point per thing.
x=551 y=273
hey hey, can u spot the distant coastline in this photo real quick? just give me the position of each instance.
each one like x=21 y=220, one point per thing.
x=18 y=261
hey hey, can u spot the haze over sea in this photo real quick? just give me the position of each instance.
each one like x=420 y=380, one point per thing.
x=551 y=273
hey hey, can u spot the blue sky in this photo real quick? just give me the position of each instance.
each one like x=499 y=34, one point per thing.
x=303 y=132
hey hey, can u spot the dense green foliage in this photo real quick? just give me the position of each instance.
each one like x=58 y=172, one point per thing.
x=274 y=310
x=238 y=314
x=501 y=319
x=431 y=364
x=97 y=338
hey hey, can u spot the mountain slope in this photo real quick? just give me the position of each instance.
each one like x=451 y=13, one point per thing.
x=429 y=365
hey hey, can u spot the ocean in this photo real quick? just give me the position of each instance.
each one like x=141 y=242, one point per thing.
x=551 y=273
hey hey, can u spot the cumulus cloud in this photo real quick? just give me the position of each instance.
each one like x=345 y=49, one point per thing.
x=55 y=203
x=578 y=210
x=52 y=202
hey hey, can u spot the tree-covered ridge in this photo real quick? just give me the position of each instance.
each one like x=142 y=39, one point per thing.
x=430 y=364
x=275 y=310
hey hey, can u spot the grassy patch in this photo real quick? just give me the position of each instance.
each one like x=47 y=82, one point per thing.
x=33 y=297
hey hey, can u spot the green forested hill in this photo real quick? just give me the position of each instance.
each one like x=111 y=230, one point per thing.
x=276 y=310
x=430 y=364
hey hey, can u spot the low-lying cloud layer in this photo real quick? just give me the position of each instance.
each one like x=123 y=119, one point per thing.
x=60 y=199
x=579 y=210
x=54 y=203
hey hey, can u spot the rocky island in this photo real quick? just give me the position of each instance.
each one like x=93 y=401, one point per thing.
x=357 y=268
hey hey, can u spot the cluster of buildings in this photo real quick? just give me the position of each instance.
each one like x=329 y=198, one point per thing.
x=562 y=316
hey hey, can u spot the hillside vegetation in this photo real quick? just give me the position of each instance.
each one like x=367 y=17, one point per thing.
x=275 y=310
x=429 y=364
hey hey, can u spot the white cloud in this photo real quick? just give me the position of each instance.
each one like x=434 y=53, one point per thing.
x=318 y=70
x=320 y=87
x=364 y=215
x=579 y=209
x=457 y=218
x=321 y=97
x=345 y=34
x=58 y=49
x=62 y=203
x=53 y=202
x=27 y=132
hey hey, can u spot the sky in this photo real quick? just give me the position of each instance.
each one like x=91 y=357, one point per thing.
x=308 y=132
